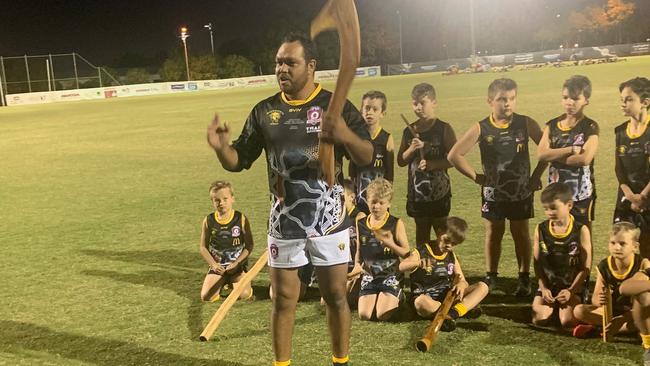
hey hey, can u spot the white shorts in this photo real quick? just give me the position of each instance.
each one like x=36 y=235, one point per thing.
x=325 y=250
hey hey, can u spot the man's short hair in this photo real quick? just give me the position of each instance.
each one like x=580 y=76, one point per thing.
x=557 y=191
x=639 y=85
x=503 y=84
x=626 y=227
x=422 y=90
x=576 y=85
x=376 y=94
x=455 y=229
x=308 y=46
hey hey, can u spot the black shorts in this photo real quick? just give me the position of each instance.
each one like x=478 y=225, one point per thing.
x=584 y=211
x=438 y=208
x=516 y=210
x=372 y=286
x=641 y=220
x=436 y=293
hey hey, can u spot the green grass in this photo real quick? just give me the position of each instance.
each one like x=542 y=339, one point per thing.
x=101 y=204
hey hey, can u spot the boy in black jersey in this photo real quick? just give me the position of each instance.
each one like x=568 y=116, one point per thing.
x=622 y=263
x=436 y=270
x=562 y=253
x=507 y=185
x=633 y=159
x=428 y=199
x=569 y=144
x=381 y=244
x=373 y=110
x=226 y=243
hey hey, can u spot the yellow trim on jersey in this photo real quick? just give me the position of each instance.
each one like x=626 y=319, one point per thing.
x=566 y=129
x=374 y=136
x=564 y=234
x=383 y=222
x=616 y=275
x=493 y=122
x=438 y=257
x=301 y=101
x=228 y=219
x=352 y=209
x=643 y=128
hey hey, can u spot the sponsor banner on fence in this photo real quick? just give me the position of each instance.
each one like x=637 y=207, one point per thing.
x=362 y=72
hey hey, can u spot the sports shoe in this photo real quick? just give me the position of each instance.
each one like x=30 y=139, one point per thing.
x=491 y=280
x=585 y=331
x=523 y=287
x=474 y=313
x=646 y=357
x=448 y=325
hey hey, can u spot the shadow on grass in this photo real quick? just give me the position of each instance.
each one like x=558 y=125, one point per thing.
x=20 y=336
x=179 y=272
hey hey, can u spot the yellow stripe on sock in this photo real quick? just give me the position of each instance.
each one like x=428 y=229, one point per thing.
x=282 y=363
x=461 y=309
x=645 y=340
x=340 y=359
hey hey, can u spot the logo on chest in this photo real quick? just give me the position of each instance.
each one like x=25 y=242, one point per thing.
x=274 y=116
x=314 y=119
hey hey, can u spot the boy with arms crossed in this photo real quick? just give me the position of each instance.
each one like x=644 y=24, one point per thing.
x=506 y=183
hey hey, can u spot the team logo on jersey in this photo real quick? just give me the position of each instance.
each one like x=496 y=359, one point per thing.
x=274 y=251
x=341 y=246
x=236 y=231
x=579 y=140
x=275 y=116
x=489 y=139
x=621 y=149
x=450 y=268
x=314 y=119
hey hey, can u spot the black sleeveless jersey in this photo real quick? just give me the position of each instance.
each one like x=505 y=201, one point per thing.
x=376 y=169
x=428 y=186
x=633 y=156
x=505 y=160
x=579 y=178
x=434 y=272
x=226 y=239
x=614 y=280
x=302 y=203
x=559 y=253
x=376 y=259
x=353 y=235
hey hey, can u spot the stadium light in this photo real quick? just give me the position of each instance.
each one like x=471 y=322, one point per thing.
x=184 y=36
x=209 y=27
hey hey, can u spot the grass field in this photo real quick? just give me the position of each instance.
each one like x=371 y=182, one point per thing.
x=100 y=209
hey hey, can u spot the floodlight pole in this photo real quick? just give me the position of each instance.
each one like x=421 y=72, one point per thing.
x=209 y=27
x=471 y=27
x=401 y=54
x=184 y=36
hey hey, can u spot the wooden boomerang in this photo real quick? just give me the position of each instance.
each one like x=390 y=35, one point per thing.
x=342 y=16
x=233 y=296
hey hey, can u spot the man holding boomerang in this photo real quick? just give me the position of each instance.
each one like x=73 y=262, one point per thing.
x=307 y=215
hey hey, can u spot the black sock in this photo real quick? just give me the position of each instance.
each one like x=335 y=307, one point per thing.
x=491 y=274
x=453 y=313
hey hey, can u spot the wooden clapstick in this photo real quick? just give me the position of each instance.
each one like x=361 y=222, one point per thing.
x=413 y=132
x=232 y=297
x=608 y=313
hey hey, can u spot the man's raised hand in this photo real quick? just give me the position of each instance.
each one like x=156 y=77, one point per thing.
x=218 y=134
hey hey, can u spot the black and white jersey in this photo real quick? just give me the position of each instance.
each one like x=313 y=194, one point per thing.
x=435 y=273
x=376 y=259
x=614 y=280
x=302 y=203
x=579 y=178
x=376 y=169
x=226 y=240
x=633 y=156
x=559 y=253
x=505 y=160
x=428 y=186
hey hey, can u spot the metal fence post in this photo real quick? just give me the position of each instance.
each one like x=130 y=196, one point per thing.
x=52 y=71
x=74 y=62
x=2 y=93
x=4 y=76
x=29 y=82
x=99 y=73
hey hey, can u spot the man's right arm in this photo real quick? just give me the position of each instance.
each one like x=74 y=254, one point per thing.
x=241 y=154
